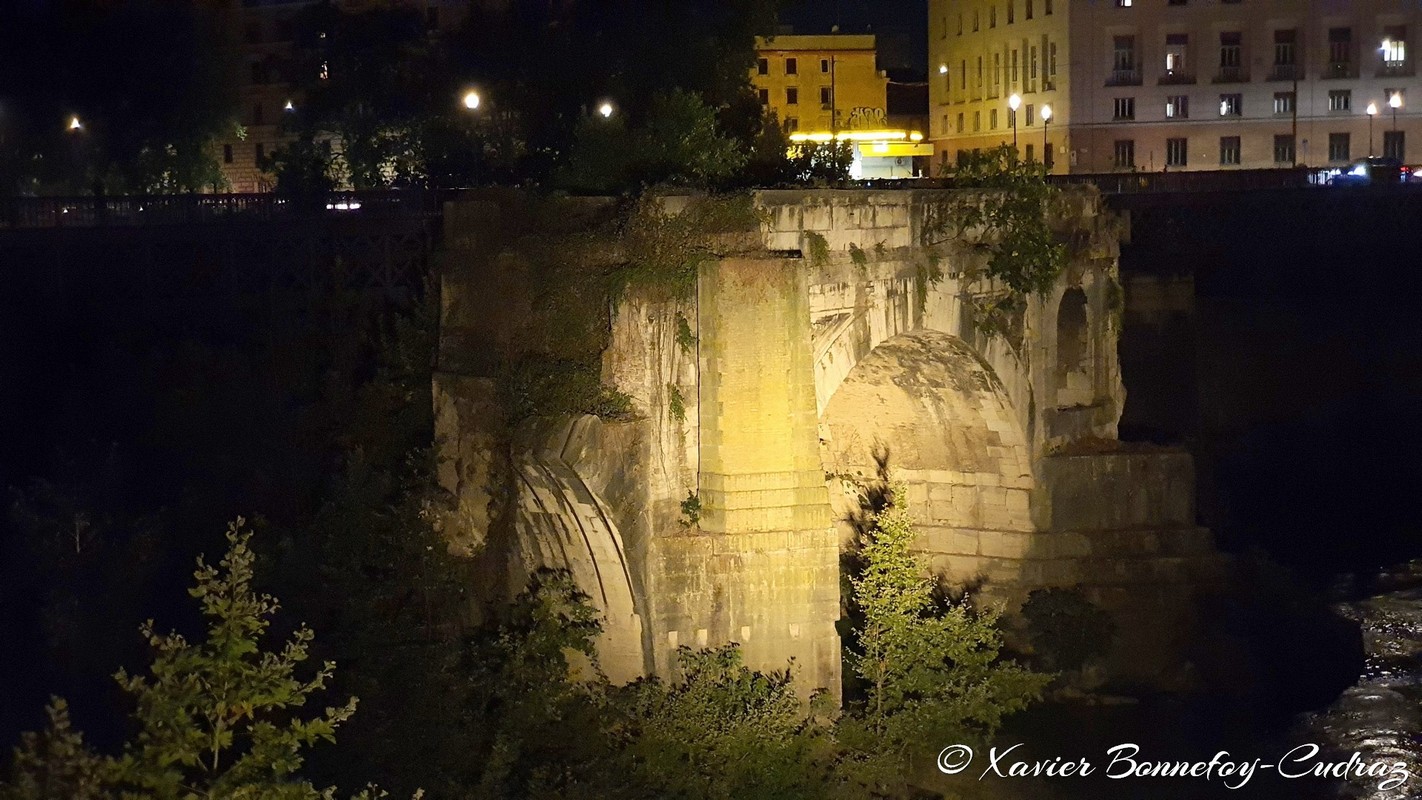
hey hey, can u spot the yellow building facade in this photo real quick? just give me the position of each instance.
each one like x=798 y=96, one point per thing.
x=821 y=83
x=829 y=87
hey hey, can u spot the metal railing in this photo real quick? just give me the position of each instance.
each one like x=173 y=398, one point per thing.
x=1195 y=181
x=180 y=209
x=1123 y=77
x=1232 y=74
x=1285 y=72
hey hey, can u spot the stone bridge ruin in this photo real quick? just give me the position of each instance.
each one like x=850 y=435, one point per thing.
x=815 y=344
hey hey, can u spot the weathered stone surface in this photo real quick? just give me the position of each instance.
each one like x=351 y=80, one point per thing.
x=806 y=360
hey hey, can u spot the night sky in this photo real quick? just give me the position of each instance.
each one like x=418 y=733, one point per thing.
x=900 y=25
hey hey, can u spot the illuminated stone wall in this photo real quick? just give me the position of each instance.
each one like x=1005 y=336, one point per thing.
x=815 y=348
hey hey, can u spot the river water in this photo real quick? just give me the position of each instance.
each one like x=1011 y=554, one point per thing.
x=1375 y=726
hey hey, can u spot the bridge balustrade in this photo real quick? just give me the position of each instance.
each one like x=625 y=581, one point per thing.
x=180 y=209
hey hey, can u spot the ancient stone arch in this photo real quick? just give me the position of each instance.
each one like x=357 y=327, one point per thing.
x=936 y=409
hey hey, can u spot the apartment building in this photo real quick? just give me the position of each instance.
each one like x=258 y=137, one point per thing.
x=1175 y=84
x=824 y=87
x=262 y=33
x=821 y=83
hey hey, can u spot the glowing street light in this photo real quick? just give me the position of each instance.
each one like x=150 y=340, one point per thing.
x=1014 y=102
x=1372 y=112
x=74 y=124
x=1396 y=102
x=1046 y=146
x=290 y=106
x=606 y=110
x=471 y=100
x=942 y=69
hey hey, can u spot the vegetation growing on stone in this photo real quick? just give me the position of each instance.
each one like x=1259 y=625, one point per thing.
x=691 y=510
x=1008 y=219
x=685 y=339
x=819 y=248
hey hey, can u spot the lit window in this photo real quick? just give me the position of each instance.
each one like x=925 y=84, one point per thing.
x=1394 y=46
x=1177 y=107
x=1123 y=3
x=1231 y=105
x=1340 y=100
x=1176 y=46
x=1284 y=103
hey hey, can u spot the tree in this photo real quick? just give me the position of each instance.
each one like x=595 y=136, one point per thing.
x=932 y=671
x=216 y=718
x=148 y=80
x=723 y=730
x=676 y=143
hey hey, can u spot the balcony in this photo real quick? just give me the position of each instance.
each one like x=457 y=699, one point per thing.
x=1286 y=72
x=1177 y=77
x=1232 y=75
x=1395 y=69
x=1123 y=77
x=1339 y=70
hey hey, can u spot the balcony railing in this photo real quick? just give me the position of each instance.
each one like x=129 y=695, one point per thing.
x=1177 y=77
x=1339 y=70
x=1285 y=72
x=1395 y=69
x=1232 y=75
x=1123 y=77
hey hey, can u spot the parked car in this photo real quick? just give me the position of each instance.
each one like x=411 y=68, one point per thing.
x=1372 y=171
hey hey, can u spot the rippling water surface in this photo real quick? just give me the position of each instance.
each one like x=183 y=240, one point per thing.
x=1379 y=719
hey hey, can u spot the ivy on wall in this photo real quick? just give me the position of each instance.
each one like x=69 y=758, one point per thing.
x=1008 y=218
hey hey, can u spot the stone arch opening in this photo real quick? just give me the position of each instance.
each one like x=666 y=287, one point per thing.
x=952 y=437
x=563 y=523
x=1073 y=371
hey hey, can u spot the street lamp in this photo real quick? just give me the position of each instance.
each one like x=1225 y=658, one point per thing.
x=471 y=100
x=1046 y=146
x=1396 y=102
x=1014 y=102
x=606 y=110
x=1372 y=112
x=74 y=124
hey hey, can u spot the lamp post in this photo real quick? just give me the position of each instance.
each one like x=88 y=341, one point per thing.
x=1014 y=102
x=1372 y=112
x=1396 y=102
x=471 y=100
x=1046 y=146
